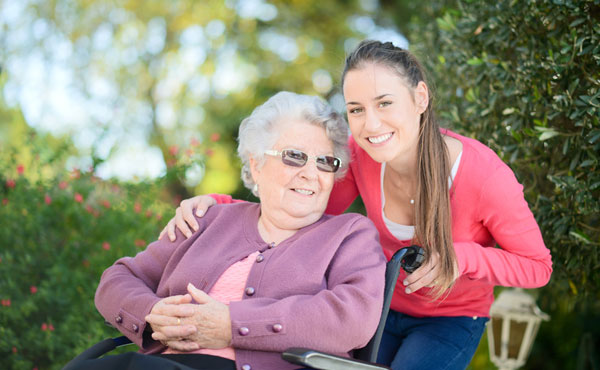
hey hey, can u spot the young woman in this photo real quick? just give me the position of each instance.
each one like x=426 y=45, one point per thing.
x=425 y=185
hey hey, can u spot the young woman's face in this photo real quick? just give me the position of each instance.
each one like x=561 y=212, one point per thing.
x=384 y=115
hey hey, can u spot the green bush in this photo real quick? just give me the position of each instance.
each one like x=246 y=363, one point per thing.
x=59 y=232
x=524 y=78
x=528 y=77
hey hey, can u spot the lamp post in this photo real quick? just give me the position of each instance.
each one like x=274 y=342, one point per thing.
x=514 y=322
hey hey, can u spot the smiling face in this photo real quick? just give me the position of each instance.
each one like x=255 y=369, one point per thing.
x=383 y=113
x=294 y=197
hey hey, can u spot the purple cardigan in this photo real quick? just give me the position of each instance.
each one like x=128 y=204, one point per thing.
x=322 y=288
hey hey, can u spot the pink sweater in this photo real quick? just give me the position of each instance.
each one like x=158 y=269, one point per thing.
x=488 y=208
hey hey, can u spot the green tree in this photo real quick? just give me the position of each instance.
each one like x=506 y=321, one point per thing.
x=170 y=72
x=524 y=78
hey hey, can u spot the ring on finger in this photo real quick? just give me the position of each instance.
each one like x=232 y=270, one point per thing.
x=178 y=321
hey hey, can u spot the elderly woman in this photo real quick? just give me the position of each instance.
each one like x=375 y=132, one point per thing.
x=255 y=279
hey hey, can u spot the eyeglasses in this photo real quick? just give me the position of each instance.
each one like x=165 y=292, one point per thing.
x=297 y=158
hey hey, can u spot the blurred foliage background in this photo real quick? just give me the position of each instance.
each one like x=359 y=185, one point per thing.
x=112 y=111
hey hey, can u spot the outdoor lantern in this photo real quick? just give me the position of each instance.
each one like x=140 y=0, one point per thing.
x=514 y=322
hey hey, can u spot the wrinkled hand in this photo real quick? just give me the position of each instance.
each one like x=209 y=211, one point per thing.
x=211 y=322
x=166 y=319
x=184 y=216
x=426 y=275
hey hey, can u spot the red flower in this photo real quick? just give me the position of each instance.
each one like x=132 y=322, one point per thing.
x=189 y=152
x=20 y=169
x=4 y=201
x=215 y=137
x=173 y=150
x=194 y=142
x=5 y=302
x=89 y=209
x=62 y=185
x=78 y=198
x=106 y=246
x=139 y=243
x=137 y=207
x=105 y=203
x=47 y=199
x=209 y=152
x=75 y=174
x=44 y=327
x=14 y=350
x=148 y=213
x=11 y=183
x=158 y=216
x=33 y=289
x=51 y=327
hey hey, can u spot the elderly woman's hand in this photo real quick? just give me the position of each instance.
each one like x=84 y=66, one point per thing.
x=166 y=319
x=184 y=216
x=209 y=318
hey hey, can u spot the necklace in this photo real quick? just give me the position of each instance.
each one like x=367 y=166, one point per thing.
x=403 y=189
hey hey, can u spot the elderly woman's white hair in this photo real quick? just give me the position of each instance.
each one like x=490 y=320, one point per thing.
x=260 y=131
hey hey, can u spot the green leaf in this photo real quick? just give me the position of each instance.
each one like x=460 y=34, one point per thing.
x=593 y=136
x=470 y=96
x=474 y=62
x=587 y=162
x=547 y=135
x=577 y=22
x=580 y=236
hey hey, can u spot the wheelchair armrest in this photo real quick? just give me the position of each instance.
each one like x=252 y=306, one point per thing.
x=325 y=361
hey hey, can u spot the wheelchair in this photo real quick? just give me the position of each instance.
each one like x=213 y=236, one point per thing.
x=408 y=258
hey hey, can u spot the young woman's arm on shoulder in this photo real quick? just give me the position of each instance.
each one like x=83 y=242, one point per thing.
x=184 y=219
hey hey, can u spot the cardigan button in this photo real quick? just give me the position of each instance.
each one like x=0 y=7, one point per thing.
x=119 y=319
x=135 y=328
x=250 y=291
x=277 y=328
x=246 y=367
x=244 y=331
x=260 y=258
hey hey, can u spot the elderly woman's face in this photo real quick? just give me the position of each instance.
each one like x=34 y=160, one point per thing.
x=294 y=197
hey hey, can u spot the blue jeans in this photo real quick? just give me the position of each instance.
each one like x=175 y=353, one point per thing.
x=429 y=342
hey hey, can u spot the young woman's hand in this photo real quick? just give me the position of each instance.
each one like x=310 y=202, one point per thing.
x=184 y=216
x=425 y=276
